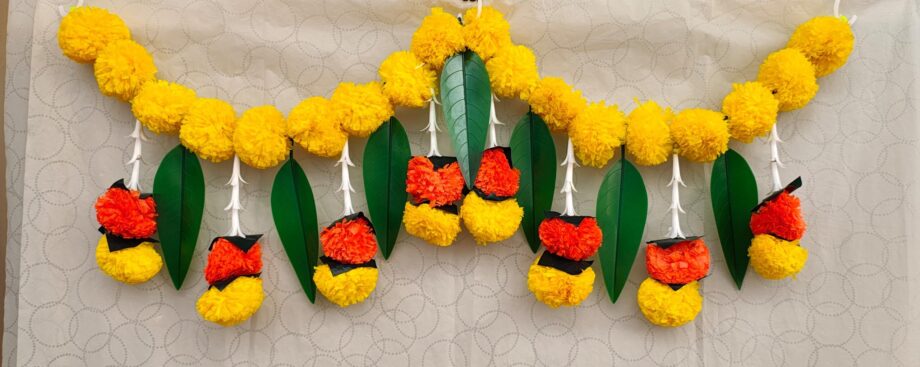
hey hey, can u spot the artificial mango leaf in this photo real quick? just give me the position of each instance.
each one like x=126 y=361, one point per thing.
x=386 y=160
x=294 y=212
x=178 y=189
x=466 y=96
x=733 y=191
x=622 y=208
x=534 y=153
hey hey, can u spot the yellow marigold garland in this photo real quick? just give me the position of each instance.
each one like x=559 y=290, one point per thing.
x=513 y=72
x=789 y=73
x=132 y=265
x=234 y=304
x=597 y=132
x=490 y=221
x=435 y=226
x=207 y=129
x=122 y=68
x=557 y=288
x=260 y=138
x=751 y=110
x=648 y=134
x=775 y=258
x=826 y=41
x=439 y=36
x=406 y=80
x=486 y=33
x=556 y=102
x=161 y=105
x=664 y=306
x=313 y=126
x=86 y=30
x=361 y=109
x=347 y=288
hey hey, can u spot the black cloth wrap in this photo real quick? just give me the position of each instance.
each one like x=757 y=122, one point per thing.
x=242 y=243
x=677 y=287
x=120 y=184
x=117 y=242
x=440 y=162
x=337 y=267
x=354 y=217
x=571 y=219
x=562 y=264
x=450 y=208
x=490 y=197
x=792 y=186
x=668 y=242
x=223 y=283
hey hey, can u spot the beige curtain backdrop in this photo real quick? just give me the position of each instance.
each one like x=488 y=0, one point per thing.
x=855 y=145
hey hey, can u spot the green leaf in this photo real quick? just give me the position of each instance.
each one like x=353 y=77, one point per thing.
x=734 y=193
x=534 y=153
x=294 y=212
x=466 y=96
x=622 y=207
x=178 y=189
x=386 y=160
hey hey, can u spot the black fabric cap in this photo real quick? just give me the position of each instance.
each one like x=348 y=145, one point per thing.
x=562 y=264
x=242 y=243
x=221 y=284
x=571 y=219
x=792 y=186
x=338 y=268
x=668 y=242
x=353 y=217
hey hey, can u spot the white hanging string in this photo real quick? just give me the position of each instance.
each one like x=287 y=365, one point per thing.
x=63 y=11
x=345 y=188
x=236 y=180
x=837 y=12
x=775 y=162
x=568 y=185
x=135 y=161
x=478 y=8
x=493 y=120
x=675 y=209
x=432 y=127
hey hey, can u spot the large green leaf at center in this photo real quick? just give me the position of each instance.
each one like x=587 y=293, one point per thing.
x=622 y=205
x=733 y=190
x=178 y=189
x=386 y=160
x=466 y=96
x=534 y=153
x=294 y=212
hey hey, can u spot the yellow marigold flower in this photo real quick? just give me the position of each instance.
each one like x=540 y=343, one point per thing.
x=513 y=72
x=556 y=102
x=751 y=110
x=161 y=105
x=233 y=305
x=664 y=306
x=131 y=265
x=347 y=288
x=597 y=132
x=122 y=68
x=313 y=126
x=700 y=135
x=791 y=76
x=486 y=33
x=826 y=41
x=556 y=288
x=490 y=221
x=435 y=226
x=648 y=134
x=260 y=138
x=361 y=109
x=438 y=37
x=775 y=258
x=407 y=81
x=87 y=30
x=207 y=129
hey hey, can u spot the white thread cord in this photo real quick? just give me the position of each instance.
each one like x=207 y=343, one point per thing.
x=837 y=12
x=568 y=186
x=63 y=11
x=675 y=209
x=345 y=188
x=432 y=127
x=135 y=161
x=479 y=8
x=234 y=207
x=775 y=162
x=493 y=120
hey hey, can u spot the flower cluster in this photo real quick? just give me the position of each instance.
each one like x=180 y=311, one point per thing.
x=128 y=219
x=491 y=212
x=434 y=184
x=561 y=276
x=670 y=296
x=778 y=227
x=235 y=290
x=348 y=274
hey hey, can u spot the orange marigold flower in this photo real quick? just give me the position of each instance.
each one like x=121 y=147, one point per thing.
x=437 y=185
x=681 y=263
x=124 y=213
x=227 y=260
x=496 y=176
x=781 y=217
x=563 y=237
x=350 y=240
